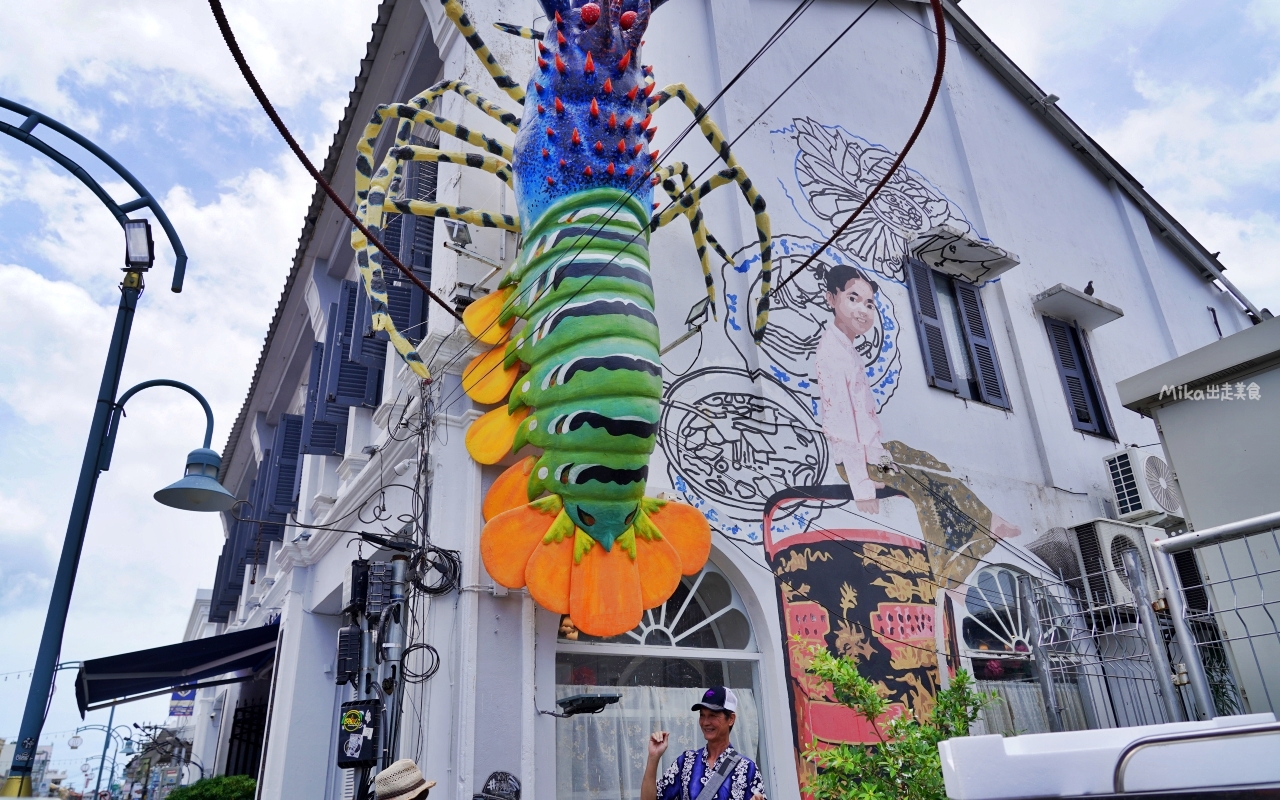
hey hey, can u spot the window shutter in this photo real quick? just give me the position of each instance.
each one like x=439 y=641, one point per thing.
x=933 y=344
x=419 y=235
x=319 y=436
x=346 y=382
x=367 y=348
x=287 y=449
x=1075 y=378
x=982 y=350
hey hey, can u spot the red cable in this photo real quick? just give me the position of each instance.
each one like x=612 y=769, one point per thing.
x=230 y=39
x=939 y=23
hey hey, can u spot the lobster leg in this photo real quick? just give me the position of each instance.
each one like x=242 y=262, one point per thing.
x=454 y=10
x=701 y=237
x=712 y=132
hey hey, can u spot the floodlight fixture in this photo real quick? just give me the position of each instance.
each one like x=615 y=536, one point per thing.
x=139 y=249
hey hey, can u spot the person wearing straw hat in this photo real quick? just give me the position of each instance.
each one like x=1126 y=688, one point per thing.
x=402 y=781
x=714 y=772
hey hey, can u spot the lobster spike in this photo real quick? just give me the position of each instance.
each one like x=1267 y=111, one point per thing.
x=648 y=89
x=622 y=147
x=650 y=133
x=630 y=171
x=559 y=106
x=656 y=204
x=624 y=62
x=546 y=153
x=559 y=21
x=595 y=108
x=645 y=122
x=542 y=49
x=537 y=87
x=589 y=67
x=551 y=132
x=576 y=138
x=635 y=90
x=551 y=181
x=560 y=39
x=627 y=123
x=560 y=65
x=599 y=147
x=648 y=69
x=654 y=155
x=613 y=120
x=639 y=146
x=587 y=171
x=608 y=86
x=563 y=163
x=541 y=108
x=610 y=169
x=542 y=63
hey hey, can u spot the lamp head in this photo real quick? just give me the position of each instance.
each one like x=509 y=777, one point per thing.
x=128 y=747
x=458 y=232
x=75 y=741
x=139 y=249
x=199 y=489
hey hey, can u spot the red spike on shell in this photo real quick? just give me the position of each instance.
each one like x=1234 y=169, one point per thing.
x=630 y=171
x=560 y=39
x=563 y=164
x=609 y=169
x=649 y=133
x=559 y=106
x=624 y=62
x=595 y=108
x=639 y=146
x=559 y=21
x=576 y=138
x=635 y=90
x=599 y=147
x=613 y=120
x=622 y=146
x=590 y=66
x=587 y=171
x=551 y=181
x=648 y=89
x=654 y=155
x=542 y=62
x=559 y=64
x=551 y=132
x=542 y=49
x=546 y=153
x=541 y=108
x=608 y=86
x=644 y=123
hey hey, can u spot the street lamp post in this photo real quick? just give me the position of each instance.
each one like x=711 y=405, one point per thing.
x=139 y=256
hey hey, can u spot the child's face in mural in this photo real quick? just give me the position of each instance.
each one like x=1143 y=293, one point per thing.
x=854 y=307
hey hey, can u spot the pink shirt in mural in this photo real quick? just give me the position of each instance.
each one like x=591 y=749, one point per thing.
x=848 y=411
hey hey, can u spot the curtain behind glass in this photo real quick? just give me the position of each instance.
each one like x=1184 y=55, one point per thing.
x=602 y=756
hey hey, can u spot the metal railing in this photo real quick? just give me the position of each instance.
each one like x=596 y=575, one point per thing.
x=1229 y=613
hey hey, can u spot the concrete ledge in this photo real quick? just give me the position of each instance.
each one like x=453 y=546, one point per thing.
x=1073 y=305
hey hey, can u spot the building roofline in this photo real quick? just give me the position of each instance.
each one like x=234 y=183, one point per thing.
x=318 y=199
x=976 y=40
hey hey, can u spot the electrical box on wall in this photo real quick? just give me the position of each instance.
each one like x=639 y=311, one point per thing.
x=358 y=734
x=355 y=586
x=348 y=654
x=378 y=593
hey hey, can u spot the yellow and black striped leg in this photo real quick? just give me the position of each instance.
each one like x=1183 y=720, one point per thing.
x=454 y=10
x=667 y=176
x=739 y=175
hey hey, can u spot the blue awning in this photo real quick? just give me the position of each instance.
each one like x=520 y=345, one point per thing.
x=145 y=673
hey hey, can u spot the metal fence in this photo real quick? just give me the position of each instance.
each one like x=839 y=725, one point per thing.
x=1231 y=615
x=1193 y=635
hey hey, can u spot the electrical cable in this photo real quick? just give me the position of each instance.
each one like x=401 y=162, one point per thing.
x=428 y=672
x=249 y=77
x=446 y=562
x=940 y=22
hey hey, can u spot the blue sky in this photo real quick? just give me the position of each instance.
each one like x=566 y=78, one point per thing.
x=1184 y=94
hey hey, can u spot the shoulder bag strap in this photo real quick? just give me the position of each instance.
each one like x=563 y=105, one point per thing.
x=718 y=777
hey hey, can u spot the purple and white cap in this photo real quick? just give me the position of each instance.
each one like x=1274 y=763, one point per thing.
x=718 y=698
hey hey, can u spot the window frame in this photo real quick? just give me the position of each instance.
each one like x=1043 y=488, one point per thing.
x=986 y=383
x=1086 y=372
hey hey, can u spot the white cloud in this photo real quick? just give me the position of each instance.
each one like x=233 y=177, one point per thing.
x=171 y=52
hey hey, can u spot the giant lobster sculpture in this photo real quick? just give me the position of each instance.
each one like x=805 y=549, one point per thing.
x=581 y=377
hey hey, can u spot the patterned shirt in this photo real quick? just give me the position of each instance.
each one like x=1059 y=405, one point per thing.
x=687 y=776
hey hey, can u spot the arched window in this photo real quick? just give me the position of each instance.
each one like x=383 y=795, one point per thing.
x=700 y=637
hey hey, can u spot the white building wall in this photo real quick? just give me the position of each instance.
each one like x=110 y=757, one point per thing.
x=990 y=155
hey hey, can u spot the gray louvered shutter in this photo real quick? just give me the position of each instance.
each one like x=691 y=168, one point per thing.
x=1074 y=375
x=346 y=382
x=419 y=235
x=319 y=436
x=982 y=350
x=287 y=452
x=933 y=342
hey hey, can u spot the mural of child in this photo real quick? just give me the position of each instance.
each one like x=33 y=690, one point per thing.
x=848 y=409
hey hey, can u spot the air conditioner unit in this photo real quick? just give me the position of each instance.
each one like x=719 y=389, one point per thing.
x=1099 y=545
x=1144 y=488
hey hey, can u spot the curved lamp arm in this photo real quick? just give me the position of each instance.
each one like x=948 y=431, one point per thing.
x=120 y=211
x=109 y=445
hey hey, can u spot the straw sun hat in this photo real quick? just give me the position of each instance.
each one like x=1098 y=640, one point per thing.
x=401 y=781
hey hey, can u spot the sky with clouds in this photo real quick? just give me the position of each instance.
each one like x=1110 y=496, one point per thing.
x=1184 y=94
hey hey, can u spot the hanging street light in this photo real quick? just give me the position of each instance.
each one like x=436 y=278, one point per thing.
x=75 y=741
x=139 y=249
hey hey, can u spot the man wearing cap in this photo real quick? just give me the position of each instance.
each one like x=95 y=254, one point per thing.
x=714 y=772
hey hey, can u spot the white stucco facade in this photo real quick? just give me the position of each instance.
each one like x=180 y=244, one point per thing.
x=988 y=161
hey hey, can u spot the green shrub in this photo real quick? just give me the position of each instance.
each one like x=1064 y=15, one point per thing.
x=905 y=764
x=223 y=787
